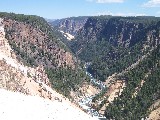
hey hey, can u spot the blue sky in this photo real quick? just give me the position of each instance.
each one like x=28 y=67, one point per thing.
x=54 y=9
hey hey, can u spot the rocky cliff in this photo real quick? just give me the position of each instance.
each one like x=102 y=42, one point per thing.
x=36 y=44
x=70 y=25
x=17 y=78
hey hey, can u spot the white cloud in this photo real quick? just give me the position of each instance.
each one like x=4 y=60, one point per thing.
x=109 y=1
x=89 y=0
x=152 y=3
x=119 y=14
x=106 y=1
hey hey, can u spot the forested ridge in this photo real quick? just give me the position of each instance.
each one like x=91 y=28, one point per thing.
x=112 y=44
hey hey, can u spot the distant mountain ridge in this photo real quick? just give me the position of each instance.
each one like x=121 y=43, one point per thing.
x=70 y=25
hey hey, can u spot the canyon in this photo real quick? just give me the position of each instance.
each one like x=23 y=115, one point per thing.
x=99 y=67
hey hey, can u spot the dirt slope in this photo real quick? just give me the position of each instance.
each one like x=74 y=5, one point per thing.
x=17 y=106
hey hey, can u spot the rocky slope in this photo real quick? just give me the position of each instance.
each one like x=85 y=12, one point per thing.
x=17 y=77
x=36 y=43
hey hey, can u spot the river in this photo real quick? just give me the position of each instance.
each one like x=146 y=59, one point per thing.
x=85 y=103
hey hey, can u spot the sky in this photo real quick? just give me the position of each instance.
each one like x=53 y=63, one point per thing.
x=56 y=9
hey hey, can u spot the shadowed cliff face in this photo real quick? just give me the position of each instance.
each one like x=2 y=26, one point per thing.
x=118 y=31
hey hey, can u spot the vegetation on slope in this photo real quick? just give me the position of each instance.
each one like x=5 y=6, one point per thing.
x=127 y=106
x=35 y=43
x=112 y=44
x=125 y=45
